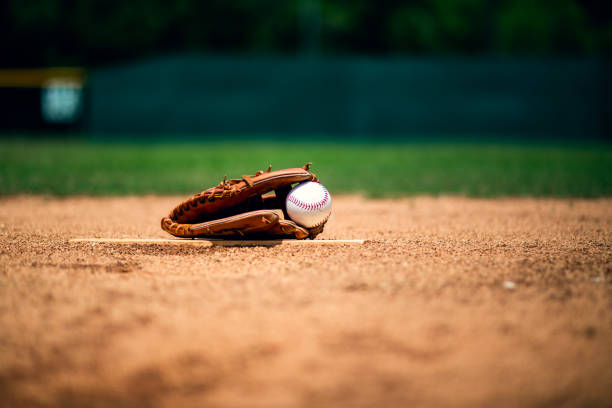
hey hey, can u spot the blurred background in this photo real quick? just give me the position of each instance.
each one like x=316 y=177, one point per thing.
x=329 y=71
x=342 y=67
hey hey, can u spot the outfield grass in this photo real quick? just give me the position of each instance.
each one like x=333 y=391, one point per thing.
x=76 y=167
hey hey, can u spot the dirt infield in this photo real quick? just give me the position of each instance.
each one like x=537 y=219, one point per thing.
x=450 y=302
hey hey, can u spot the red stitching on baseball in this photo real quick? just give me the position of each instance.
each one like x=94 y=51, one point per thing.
x=310 y=206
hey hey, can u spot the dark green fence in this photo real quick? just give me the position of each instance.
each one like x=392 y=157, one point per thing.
x=352 y=96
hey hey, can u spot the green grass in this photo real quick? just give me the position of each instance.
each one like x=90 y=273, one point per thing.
x=78 y=167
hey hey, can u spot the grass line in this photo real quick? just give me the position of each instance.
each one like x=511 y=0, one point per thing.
x=79 y=167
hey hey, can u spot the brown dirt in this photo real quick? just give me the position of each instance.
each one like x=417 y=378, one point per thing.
x=421 y=315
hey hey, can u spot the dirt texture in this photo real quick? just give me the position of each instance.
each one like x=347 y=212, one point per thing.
x=451 y=302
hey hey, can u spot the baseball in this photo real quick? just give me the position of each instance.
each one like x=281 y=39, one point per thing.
x=309 y=204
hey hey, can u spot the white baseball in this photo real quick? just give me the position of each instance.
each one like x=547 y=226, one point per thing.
x=309 y=204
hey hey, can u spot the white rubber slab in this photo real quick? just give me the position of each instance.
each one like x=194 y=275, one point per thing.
x=221 y=242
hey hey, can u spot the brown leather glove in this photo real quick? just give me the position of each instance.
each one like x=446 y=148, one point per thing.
x=250 y=207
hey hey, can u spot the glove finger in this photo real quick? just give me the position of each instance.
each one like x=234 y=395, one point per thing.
x=287 y=228
x=236 y=225
x=211 y=203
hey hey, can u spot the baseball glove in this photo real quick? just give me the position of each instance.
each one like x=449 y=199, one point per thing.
x=249 y=207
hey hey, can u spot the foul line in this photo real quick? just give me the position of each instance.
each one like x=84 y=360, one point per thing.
x=220 y=242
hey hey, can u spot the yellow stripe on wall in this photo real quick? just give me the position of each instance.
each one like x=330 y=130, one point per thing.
x=36 y=78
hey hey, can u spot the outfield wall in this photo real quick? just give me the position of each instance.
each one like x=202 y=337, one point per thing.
x=351 y=96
